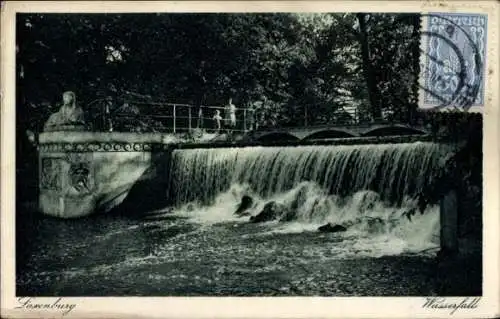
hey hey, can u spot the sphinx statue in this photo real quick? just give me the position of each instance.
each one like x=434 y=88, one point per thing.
x=68 y=118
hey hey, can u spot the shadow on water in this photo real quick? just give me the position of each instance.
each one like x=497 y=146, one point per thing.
x=149 y=193
x=49 y=249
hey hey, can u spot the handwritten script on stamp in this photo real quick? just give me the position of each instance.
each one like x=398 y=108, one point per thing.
x=453 y=61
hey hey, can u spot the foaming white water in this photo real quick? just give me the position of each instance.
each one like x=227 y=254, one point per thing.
x=369 y=189
x=374 y=228
x=222 y=209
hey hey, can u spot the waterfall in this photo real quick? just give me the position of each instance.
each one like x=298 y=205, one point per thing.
x=371 y=190
x=394 y=171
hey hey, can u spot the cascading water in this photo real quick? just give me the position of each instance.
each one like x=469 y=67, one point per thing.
x=367 y=188
x=393 y=171
x=199 y=246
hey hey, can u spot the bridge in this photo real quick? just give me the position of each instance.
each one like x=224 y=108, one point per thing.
x=335 y=131
x=177 y=118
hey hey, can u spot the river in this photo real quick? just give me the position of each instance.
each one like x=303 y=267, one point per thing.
x=197 y=246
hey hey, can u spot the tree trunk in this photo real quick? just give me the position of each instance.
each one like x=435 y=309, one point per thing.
x=415 y=38
x=373 y=95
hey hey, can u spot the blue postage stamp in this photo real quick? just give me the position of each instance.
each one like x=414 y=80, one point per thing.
x=452 y=68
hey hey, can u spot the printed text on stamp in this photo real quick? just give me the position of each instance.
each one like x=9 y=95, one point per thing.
x=453 y=65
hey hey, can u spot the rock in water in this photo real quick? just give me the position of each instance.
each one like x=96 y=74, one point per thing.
x=409 y=214
x=329 y=228
x=288 y=215
x=300 y=198
x=271 y=211
x=246 y=203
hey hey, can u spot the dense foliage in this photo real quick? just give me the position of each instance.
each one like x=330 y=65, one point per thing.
x=295 y=69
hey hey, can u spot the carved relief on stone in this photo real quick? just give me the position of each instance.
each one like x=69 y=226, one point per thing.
x=50 y=177
x=79 y=177
x=80 y=174
x=105 y=147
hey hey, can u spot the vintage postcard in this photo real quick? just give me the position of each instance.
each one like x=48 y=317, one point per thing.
x=257 y=159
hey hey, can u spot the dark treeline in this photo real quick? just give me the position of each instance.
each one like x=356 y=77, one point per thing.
x=295 y=69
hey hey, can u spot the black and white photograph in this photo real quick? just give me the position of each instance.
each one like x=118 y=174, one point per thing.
x=250 y=154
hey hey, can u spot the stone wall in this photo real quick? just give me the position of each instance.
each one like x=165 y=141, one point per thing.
x=85 y=172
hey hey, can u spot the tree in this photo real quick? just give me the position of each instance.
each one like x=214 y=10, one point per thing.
x=373 y=93
x=300 y=68
x=393 y=42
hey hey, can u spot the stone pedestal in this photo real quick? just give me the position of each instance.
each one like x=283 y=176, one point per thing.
x=84 y=172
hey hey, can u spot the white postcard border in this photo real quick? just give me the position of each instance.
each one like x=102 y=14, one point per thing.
x=270 y=307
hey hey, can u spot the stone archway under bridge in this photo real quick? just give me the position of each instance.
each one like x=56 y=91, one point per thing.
x=334 y=131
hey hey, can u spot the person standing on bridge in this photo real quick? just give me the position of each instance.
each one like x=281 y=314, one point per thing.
x=217 y=118
x=230 y=115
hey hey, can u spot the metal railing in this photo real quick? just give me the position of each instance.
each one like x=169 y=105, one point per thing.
x=170 y=117
x=139 y=115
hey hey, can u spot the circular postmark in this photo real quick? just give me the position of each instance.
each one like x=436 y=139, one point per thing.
x=451 y=68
